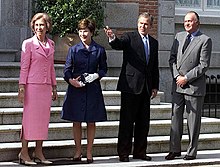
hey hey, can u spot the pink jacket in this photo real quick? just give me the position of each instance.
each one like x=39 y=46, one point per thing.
x=36 y=66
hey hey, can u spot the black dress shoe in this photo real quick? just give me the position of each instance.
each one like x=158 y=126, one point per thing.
x=124 y=158
x=172 y=155
x=188 y=157
x=145 y=157
x=89 y=161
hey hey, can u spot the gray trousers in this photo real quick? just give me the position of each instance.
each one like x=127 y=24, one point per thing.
x=193 y=106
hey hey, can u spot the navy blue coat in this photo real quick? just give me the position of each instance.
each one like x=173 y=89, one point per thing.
x=85 y=104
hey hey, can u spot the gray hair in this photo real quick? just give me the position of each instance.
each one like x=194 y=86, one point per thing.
x=147 y=15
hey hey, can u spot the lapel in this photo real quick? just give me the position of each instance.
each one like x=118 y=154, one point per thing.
x=139 y=46
x=51 y=44
x=92 y=47
x=190 y=47
x=150 y=47
x=39 y=49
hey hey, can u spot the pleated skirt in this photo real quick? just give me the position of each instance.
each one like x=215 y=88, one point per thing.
x=36 y=111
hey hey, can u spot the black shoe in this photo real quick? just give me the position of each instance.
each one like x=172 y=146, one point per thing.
x=89 y=161
x=172 y=155
x=188 y=157
x=145 y=157
x=124 y=158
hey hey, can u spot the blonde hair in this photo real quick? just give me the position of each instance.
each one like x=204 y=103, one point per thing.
x=46 y=18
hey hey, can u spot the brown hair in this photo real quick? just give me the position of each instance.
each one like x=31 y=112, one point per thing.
x=46 y=18
x=87 y=23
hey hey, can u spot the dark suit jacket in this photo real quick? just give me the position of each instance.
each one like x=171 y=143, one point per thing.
x=135 y=72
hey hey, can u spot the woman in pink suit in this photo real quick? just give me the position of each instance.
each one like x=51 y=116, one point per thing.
x=37 y=86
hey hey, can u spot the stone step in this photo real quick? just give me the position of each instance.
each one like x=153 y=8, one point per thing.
x=8 y=55
x=205 y=158
x=105 y=146
x=11 y=84
x=107 y=129
x=111 y=98
x=12 y=69
x=11 y=100
x=9 y=116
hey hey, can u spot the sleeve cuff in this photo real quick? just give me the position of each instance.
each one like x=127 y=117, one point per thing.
x=112 y=38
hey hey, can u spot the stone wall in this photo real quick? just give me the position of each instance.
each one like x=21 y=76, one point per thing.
x=122 y=15
x=166 y=32
x=14 y=23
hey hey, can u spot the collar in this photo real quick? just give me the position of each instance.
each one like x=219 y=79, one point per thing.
x=142 y=36
x=194 y=33
x=92 y=46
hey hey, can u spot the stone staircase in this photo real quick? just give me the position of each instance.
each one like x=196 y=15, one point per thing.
x=60 y=142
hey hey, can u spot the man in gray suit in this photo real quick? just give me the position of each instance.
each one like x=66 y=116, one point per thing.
x=189 y=60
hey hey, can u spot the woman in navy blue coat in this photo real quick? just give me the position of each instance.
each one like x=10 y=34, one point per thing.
x=85 y=66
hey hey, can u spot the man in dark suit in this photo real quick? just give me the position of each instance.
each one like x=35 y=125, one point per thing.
x=189 y=60
x=138 y=83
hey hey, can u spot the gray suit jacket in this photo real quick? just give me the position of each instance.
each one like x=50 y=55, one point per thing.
x=193 y=63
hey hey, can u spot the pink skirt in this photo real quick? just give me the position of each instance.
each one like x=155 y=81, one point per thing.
x=36 y=112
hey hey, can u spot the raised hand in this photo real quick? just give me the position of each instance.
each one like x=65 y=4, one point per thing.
x=109 y=33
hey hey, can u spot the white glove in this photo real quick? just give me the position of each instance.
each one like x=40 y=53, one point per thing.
x=81 y=84
x=91 y=77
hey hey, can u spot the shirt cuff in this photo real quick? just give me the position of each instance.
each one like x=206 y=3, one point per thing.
x=112 y=38
x=176 y=76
